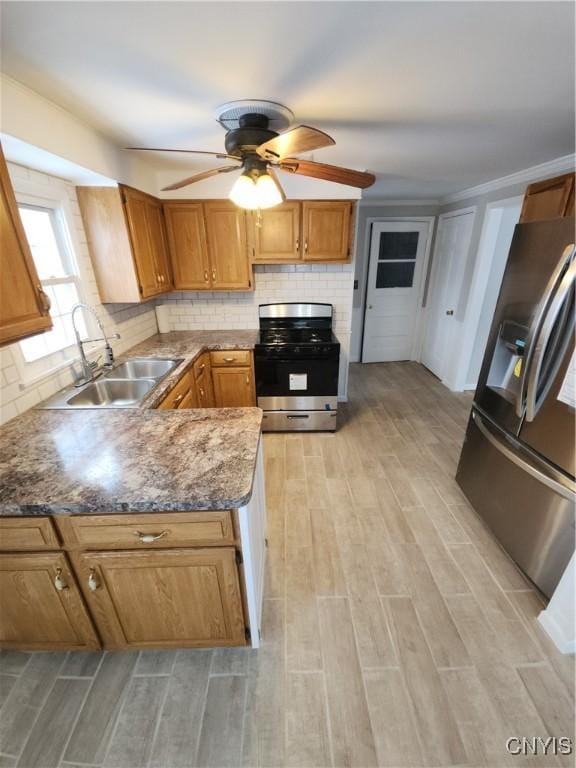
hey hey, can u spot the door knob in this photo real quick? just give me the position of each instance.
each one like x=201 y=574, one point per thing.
x=449 y=311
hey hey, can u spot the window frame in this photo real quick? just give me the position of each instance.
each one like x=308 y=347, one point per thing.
x=34 y=371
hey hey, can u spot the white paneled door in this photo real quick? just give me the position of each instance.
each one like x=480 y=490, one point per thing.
x=393 y=300
x=444 y=294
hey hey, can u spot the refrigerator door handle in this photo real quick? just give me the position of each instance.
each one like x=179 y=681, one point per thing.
x=563 y=294
x=566 y=258
x=547 y=475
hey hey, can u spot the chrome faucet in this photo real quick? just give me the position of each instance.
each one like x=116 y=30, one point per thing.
x=89 y=367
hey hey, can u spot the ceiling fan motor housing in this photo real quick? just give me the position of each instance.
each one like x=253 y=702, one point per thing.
x=253 y=130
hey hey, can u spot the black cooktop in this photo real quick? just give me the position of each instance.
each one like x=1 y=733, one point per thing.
x=273 y=336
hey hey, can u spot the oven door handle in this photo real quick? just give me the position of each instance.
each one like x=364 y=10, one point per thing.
x=298 y=416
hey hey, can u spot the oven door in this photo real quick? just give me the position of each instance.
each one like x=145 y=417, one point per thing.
x=302 y=383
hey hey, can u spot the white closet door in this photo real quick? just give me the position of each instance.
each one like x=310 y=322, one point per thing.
x=446 y=281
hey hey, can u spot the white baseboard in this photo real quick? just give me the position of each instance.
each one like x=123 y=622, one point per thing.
x=554 y=631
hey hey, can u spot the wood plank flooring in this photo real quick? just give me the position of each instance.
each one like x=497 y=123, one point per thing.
x=395 y=632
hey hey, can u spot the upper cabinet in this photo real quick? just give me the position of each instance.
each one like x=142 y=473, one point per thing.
x=326 y=230
x=208 y=246
x=230 y=268
x=127 y=241
x=276 y=233
x=549 y=199
x=24 y=307
x=294 y=232
x=187 y=243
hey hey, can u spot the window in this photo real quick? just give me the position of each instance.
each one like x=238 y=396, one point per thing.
x=52 y=256
x=396 y=259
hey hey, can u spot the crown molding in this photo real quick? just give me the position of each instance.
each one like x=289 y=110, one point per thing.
x=365 y=201
x=560 y=165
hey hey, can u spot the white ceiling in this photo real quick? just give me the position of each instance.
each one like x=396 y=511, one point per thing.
x=433 y=97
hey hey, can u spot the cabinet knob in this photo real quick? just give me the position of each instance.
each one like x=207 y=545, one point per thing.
x=297 y=244
x=201 y=392
x=150 y=538
x=93 y=582
x=59 y=582
x=178 y=400
x=213 y=274
x=247 y=379
x=44 y=299
x=202 y=366
x=206 y=276
x=305 y=246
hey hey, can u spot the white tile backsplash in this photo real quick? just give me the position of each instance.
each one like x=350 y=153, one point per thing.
x=134 y=323
x=184 y=311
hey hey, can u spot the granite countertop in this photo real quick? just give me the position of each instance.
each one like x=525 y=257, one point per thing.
x=134 y=460
x=187 y=345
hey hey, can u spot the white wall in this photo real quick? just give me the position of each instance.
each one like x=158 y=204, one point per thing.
x=133 y=323
x=559 y=618
x=315 y=282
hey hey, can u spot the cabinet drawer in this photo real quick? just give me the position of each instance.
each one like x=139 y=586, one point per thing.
x=201 y=365
x=232 y=357
x=177 y=393
x=176 y=529
x=18 y=534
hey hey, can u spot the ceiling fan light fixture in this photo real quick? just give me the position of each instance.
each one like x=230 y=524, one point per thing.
x=268 y=191
x=253 y=192
x=243 y=192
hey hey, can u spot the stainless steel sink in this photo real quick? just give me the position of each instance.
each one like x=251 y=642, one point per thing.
x=112 y=393
x=143 y=368
x=124 y=386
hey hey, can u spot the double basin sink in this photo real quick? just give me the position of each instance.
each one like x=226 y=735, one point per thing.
x=125 y=385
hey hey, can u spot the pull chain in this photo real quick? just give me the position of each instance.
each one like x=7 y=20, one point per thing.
x=258 y=218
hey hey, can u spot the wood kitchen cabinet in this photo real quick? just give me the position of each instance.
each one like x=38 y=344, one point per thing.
x=303 y=231
x=127 y=242
x=203 y=380
x=170 y=598
x=233 y=387
x=40 y=604
x=230 y=268
x=182 y=394
x=208 y=246
x=549 y=199
x=24 y=307
x=188 y=246
x=326 y=230
x=276 y=233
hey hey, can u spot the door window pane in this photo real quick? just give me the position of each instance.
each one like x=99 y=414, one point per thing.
x=398 y=245
x=395 y=274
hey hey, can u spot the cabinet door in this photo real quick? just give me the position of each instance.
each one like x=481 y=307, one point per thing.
x=233 y=387
x=230 y=267
x=24 y=307
x=190 y=399
x=549 y=199
x=204 y=389
x=158 y=244
x=171 y=598
x=136 y=208
x=34 y=612
x=277 y=234
x=326 y=228
x=187 y=245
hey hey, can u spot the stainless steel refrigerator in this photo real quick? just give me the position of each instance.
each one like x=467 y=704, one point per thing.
x=517 y=464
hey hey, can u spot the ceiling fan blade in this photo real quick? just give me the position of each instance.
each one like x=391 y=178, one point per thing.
x=300 y=139
x=200 y=177
x=221 y=155
x=328 y=172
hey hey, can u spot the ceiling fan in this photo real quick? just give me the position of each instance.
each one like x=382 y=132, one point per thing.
x=253 y=146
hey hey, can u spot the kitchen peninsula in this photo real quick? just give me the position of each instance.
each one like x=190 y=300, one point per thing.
x=133 y=528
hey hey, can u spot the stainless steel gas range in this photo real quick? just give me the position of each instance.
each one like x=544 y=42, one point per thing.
x=296 y=361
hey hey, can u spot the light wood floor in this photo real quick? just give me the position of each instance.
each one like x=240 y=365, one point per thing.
x=395 y=633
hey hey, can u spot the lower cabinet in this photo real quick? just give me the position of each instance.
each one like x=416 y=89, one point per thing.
x=40 y=604
x=233 y=387
x=168 y=598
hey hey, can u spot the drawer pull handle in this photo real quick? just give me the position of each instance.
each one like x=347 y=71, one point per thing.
x=93 y=582
x=178 y=400
x=248 y=380
x=59 y=582
x=150 y=538
x=297 y=244
x=229 y=359
x=202 y=367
